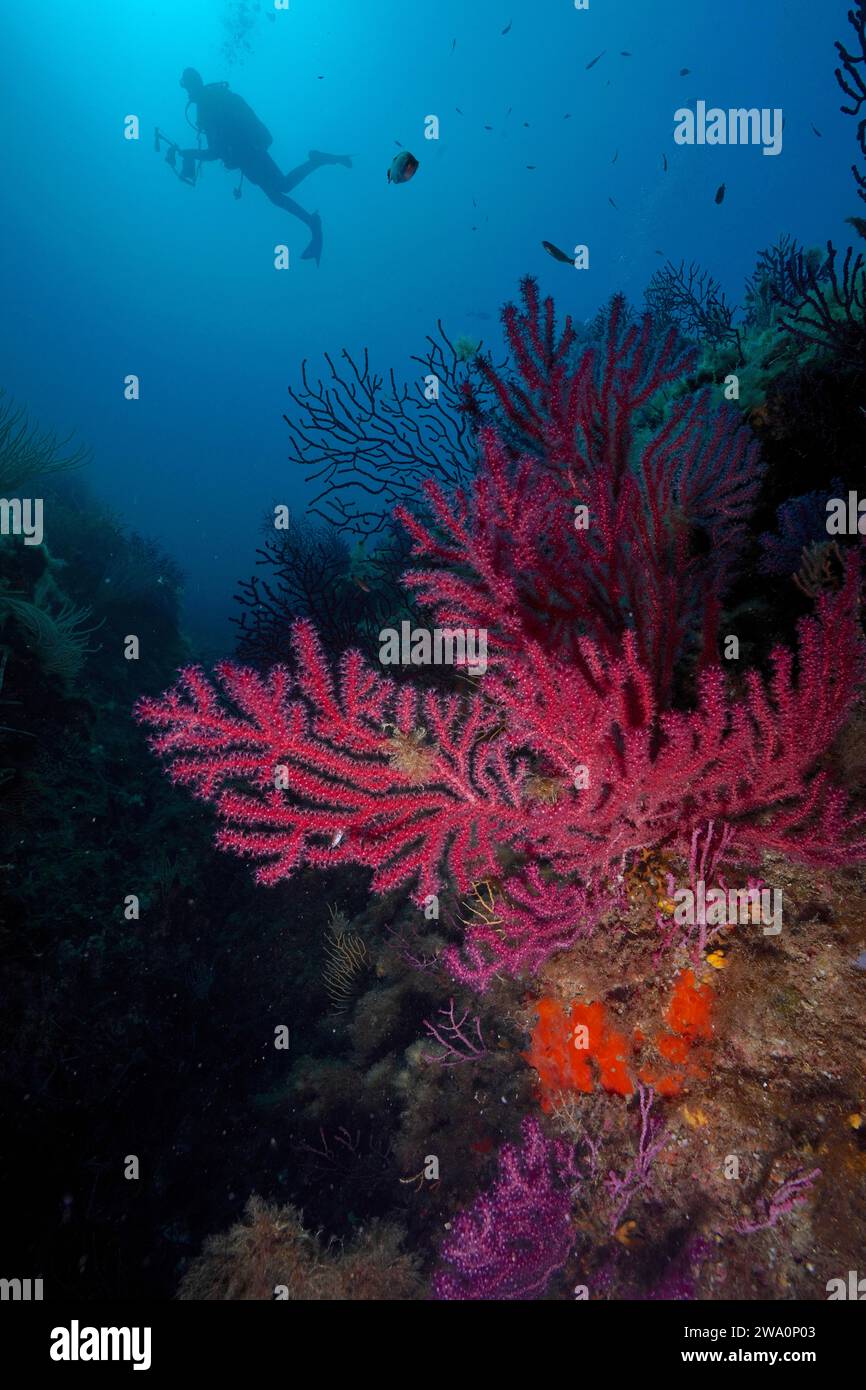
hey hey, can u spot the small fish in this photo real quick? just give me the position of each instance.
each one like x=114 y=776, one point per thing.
x=660 y=253
x=817 y=132
x=509 y=111
x=403 y=167
x=488 y=127
x=859 y=225
x=453 y=45
x=525 y=125
x=476 y=314
x=532 y=166
x=720 y=193
x=397 y=143
x=684 y=72
x=567 y=116
x=615 y=158
x=457 y=109
x=555 y=252
x=507 y=28
x=612 y=203
x=595 y=60
x=321 y=77
x=624 y=53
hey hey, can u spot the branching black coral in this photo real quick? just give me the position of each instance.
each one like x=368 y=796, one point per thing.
x=311 y=571
x=850 y=77
x=693 y=301
x=827 y=307
x=779 y=277
x=369 y=440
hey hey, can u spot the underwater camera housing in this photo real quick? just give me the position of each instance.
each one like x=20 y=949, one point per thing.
x=187 y=172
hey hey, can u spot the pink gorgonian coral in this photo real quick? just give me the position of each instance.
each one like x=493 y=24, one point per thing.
x=515 y=1236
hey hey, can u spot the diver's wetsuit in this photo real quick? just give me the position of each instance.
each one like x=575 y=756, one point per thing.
x=256 y=165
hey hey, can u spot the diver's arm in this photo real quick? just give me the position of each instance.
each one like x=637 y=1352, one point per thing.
x=205 y=156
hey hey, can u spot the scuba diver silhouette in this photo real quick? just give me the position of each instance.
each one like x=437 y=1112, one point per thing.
x=237 y=137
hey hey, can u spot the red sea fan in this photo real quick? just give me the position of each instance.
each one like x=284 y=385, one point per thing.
x=367 y=772
x=431 y=788
x=514 y=556
x=579 y=747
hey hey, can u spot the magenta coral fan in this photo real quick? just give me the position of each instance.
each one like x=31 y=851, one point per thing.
x=513 y=1239
x=572 y=754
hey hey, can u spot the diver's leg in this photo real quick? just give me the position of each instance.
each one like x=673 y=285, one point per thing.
x=310 y=219
x=315 y=160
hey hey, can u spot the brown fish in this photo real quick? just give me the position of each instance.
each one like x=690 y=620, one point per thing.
x=720 y=193
x=555 y=252
x=403 y=167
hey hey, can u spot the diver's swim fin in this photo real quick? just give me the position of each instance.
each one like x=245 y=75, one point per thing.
x=314 y=250
x=318 y=157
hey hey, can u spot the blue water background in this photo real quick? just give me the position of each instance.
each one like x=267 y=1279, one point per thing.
x=110 y=266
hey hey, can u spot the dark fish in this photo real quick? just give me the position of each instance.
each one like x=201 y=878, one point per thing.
x=624 y=54
x=660 y=253
x=817 y=132
x=397 y=143
x=567 y=116
x=453 y=45
x=532 y=166
x=595 y=60
x=859 y=225
x=684 y=72
x=457 y=109
x=477 y=314
x=509 y=111
x=720 y=193
x=615 y=158
x=612 y=203
x=664 y=163
x=555 y=252
x=525 y=125
x=508 y=26
x=403 y=167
